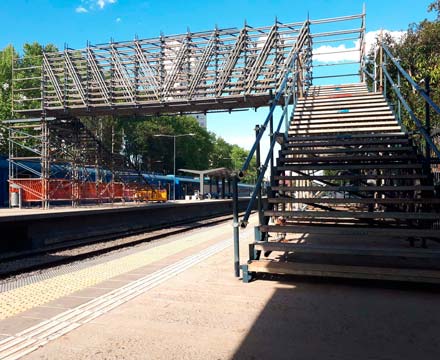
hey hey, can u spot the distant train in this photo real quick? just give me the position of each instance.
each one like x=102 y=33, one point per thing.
x=186 y=185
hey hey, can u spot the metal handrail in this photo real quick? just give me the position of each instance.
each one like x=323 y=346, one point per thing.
x=396 y=88
x=291 y=73
x=416 y=86
x=263 y=167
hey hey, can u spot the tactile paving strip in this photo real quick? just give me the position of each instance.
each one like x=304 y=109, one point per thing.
x=23 y=343
x=24 y=298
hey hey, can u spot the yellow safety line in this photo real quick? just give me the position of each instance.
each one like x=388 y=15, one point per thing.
x=27 y=297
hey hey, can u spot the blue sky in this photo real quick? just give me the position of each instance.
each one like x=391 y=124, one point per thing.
x=75 y=21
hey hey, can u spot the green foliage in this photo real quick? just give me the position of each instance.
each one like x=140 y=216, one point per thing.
x=419 y=54
x=152 y=153
x=6 y=57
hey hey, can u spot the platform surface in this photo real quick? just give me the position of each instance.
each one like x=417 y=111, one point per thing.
x=66 y=210
x=204 y=312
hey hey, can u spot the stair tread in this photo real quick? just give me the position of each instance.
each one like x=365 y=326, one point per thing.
x=352 y=230
x=344 y=166
x=342 y=124
x=347 y=150
x=336 y=116
x=385 y=158
x=385 y=201
x=350 y=177
x=344 y=130
x=354 y=188
x=359 y=142
x=355 y=214
x=347 y=250
x=345 y=271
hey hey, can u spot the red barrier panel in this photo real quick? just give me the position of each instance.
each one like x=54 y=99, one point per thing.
x=65 y=190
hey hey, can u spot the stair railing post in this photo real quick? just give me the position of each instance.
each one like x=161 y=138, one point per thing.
x=271 y=137
x=258 y=164
x=427 y=123
x=399 y=111
x=381 y=61
x=235 y=224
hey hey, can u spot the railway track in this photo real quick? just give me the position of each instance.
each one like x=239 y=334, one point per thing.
x=21 y=263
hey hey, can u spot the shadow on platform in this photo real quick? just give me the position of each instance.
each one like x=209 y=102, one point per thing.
x=314 y=319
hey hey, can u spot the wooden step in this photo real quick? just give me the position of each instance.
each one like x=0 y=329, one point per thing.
x=399 y=135
x=351 y=188
x=341 y=104
x=343 y=142
x=343 y=115
x=348 y=250
x=335 y=150
x=345 y=271
x=352 y=177
x=352 y=126
x=337 y=107
x=343 y=110
x=345 y=166
x=353 y=215
x=342 y=158
x=379 y=201
x=319 y=100
x=348 y=85
x=330 y=100
x=352 y=231
x=345 y=130
x=345 y=120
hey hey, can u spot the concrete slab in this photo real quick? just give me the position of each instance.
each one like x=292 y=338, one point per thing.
x=206 y=313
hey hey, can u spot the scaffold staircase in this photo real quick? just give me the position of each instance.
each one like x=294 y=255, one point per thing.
x=351 y=195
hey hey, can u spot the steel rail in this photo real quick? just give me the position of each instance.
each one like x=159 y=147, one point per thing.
x=411 y=80
x=416 y=121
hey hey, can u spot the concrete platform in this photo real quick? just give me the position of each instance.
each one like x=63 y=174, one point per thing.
x=204 y=312
x=35 y=228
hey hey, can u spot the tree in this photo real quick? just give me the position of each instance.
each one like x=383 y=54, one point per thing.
x=221 y=154
x=7 y=55
x=151 y=153
x=239 y=155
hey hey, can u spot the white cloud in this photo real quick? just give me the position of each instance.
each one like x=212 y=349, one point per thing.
x=344 y=52
x=91 y=5
x=81 y=10
x=103 y=3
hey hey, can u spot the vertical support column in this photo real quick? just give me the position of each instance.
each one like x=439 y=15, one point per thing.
x=45 y=163
x=202 y=179
x=174 y=171
x=223 y=187
x=271 y=135
x=258 y=165
x=113 y=163
x=381 y=61
x=399 y=112
x=427 y=123
x=235 y=225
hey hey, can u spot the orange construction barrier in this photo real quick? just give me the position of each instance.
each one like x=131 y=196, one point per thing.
x=65 y=190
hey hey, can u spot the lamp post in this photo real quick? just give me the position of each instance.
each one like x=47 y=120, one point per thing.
x=174 y=156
